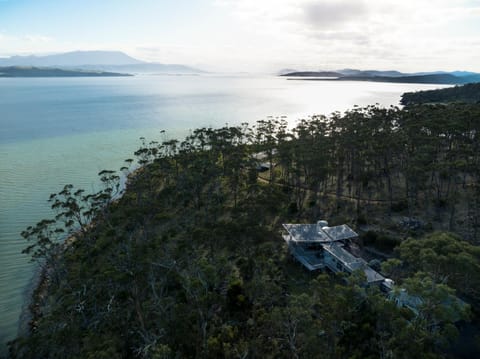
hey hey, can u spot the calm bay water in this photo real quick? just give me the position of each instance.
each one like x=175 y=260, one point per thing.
x=56 y=131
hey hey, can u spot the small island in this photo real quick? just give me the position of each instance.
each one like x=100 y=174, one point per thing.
x=30 y=71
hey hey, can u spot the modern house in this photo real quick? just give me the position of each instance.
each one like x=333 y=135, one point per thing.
x=262 y=163
x=318 y=246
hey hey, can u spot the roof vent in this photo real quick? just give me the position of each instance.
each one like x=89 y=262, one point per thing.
x=320 y=225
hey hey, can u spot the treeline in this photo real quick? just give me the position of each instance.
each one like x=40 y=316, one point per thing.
x=189 y=262
x=469 y=93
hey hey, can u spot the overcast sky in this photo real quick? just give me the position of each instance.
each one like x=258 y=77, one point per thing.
x=254 y=35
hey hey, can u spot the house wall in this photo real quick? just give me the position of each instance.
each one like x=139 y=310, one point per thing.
x=334 y=264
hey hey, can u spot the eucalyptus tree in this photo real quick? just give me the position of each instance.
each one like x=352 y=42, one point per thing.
x=384 y=149
x=447 y=258
x=418 y=155
x=266 y=140
x=311 y=155
x=338 y=154
x=438 y=310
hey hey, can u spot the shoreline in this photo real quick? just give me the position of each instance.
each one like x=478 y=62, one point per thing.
x=37 y=288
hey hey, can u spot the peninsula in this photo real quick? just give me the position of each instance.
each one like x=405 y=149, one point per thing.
x=193 y=260
x=439 y=77
x=30 y=71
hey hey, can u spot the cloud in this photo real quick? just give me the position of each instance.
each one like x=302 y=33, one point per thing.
x=410 y=34
x=37 y=38
x=264 y=35
x=331 y=14
x=26 y=44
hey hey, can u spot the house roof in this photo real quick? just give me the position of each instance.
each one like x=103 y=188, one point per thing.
x=327 y=237
x=315 y=233
x=372 y=275
x=345 y=257
x=306 y=233
x=353 y=263
x=341 y=232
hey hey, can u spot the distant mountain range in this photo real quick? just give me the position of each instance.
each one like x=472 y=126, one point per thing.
x=71 y=59
x=115 y=61
x=437 y=77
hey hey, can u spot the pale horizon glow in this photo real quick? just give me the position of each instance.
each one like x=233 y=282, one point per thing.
x=254 y=35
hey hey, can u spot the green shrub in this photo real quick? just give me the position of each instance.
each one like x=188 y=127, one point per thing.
x=399 y=206
x=292 y=208
x=386 y=243
x=362 y=219
x=369 y=238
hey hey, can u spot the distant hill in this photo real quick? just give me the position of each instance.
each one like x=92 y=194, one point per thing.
x=454 y=78
x=96 y=61
x=469 y=93
x=285 y=71
x=420 y=79
x=464 y=73
x=19 y=71
x=353 y=72
x=314 y=74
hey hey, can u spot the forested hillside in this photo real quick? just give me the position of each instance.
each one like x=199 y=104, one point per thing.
x=189 y=262
x=469 y=93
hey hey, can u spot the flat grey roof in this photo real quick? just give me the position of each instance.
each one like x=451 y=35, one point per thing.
x=313 y=233
x=340 y=232
x=353 y=263
x=347 y=258
x=306 y=233
x=372 y=275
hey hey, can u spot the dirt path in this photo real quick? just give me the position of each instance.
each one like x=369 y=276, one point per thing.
x=331 y=194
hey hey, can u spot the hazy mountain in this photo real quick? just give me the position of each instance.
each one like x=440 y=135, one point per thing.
x=354 y=72
x=464 y=73
x=70 y=59
x=285 y=71
x=146 y=67
x=314 y=74
x=96 y=61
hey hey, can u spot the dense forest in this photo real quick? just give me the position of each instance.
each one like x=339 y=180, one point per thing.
x=469 y=93
x=188 y=261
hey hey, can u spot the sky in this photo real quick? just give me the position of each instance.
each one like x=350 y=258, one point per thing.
x=254 y=35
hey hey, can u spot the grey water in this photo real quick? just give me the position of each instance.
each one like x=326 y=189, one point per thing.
x=55 y=131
